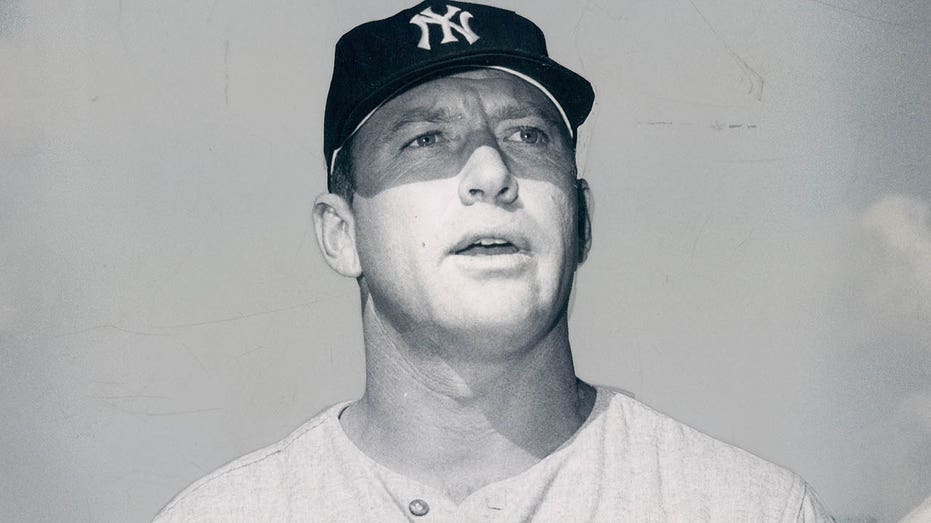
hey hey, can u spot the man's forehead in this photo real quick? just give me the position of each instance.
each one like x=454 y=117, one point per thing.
x=500 y=94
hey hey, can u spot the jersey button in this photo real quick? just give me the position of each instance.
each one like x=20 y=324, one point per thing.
x=419 y=507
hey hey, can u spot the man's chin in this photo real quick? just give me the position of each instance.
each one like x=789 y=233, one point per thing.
x=505 y=328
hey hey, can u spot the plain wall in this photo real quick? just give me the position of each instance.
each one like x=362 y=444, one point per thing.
x=761 y=265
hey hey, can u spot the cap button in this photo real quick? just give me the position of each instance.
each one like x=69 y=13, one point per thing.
x=419 y=507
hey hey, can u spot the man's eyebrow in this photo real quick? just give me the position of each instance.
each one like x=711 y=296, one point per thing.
x=420 y=115
x=526 y=110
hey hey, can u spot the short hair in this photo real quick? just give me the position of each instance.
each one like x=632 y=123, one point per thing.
x=342 y=180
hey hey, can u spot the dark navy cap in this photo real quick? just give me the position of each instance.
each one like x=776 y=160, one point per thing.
x=378 y=60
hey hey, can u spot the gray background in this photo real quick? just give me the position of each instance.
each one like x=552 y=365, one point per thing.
x=761 y=265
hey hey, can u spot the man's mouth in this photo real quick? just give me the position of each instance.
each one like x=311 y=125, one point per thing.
x=487 y=247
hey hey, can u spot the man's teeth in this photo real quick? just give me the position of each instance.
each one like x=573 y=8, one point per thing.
x=489 y=246
x=485 y=242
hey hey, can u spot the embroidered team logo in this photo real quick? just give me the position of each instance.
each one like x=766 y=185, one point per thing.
x=427 y=17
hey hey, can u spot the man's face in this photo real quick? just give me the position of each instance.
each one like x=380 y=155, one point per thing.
x=466 y=211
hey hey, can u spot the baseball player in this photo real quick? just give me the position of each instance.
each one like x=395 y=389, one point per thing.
x=455 y=203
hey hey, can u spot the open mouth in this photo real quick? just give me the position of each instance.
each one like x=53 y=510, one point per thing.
x=488 y=247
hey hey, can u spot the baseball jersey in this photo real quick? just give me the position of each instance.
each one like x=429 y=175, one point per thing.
x=627 y=462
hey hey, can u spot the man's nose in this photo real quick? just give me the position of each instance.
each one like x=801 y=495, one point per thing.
x=486 y=178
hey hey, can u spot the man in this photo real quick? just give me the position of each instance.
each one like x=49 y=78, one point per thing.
x=454 y=202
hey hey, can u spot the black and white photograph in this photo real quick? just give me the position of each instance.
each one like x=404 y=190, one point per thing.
x=440 y=261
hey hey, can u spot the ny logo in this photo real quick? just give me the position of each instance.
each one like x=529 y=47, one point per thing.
x=427 y=16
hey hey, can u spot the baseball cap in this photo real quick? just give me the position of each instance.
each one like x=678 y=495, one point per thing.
x=378 y=60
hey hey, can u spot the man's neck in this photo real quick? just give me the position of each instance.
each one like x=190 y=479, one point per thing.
x=457 y=426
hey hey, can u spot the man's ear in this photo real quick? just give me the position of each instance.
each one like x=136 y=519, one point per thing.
x=335 y=227
x=585 y=207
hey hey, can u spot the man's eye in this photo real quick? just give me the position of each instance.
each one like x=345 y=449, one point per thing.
x=530 y=135
x=424 y=140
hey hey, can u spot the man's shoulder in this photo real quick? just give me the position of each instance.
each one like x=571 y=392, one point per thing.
x=259 y=475
x=649 y=430
x=703 y=468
